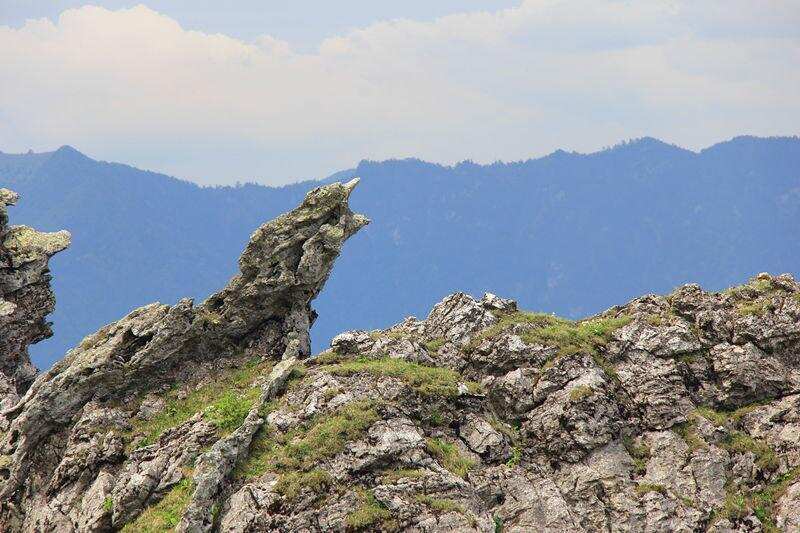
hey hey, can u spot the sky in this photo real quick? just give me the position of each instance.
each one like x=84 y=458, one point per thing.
x=277 y=91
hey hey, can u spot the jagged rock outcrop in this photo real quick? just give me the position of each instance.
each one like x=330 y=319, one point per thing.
x=669 y=413
x=25 y=298
x=63 y=450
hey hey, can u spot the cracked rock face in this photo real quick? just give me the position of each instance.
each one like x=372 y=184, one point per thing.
x=670 y=413
x=65 y=451
x=25 y=298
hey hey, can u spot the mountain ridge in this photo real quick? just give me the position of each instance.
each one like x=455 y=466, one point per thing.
x=642 y=216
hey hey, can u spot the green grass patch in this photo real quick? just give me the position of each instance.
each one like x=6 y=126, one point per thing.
x=718 y=418
x=301 y=449
x=292 y=484
x=763 y=502
x=434 y=345
x=328 y=357
x=755 y=308
x=740 y=442
x=640 y=453
x=370 y=515
x=108 y=504
x=225 y=402
x=576 y=337
x=164 y=515
x=449 y=457
x=506 y=322
x=654 y=320
x=734 y=508
x=579 y=393
x=645 y=488
x=441 y=505
x=395 y=475
x=426 y=380
x=688 y=432
x=569 y=337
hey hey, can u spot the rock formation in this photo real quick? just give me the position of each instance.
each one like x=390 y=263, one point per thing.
x=25 y=298
x=669 y=413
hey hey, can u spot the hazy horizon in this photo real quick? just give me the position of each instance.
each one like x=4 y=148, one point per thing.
x=275 y=94
x=352 y=167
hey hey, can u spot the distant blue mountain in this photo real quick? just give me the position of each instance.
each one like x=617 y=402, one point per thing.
x=567 y=233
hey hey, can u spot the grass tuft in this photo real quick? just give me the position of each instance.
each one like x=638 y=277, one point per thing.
x=393 y=476
x=370 y=515
x=579 y=393
x=448 y=455
x=292 y=484
x=441 y=505
x=640 y=453
x=508 y=321
x=644 y=488
x=426 y=380
x=740 y=442
x=302 y=448
x=225 y=402
x=164 y=515
x=434 y=345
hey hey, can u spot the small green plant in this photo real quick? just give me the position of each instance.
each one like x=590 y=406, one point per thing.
x=434 y=345
x=370 y=514
x=435 y=418
x=439 y=504
x=579 y=393
x=718 y=418
x=498 y=524
x=735 y=508
x=448 y=455
x=644 y=488
x=164 y=515
x=640 y=454
x=108 y=504
x=516 y=457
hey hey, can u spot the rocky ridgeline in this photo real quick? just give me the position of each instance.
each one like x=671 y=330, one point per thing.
x=670 y=413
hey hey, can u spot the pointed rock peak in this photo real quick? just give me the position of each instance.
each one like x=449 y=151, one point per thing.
x=8 y=197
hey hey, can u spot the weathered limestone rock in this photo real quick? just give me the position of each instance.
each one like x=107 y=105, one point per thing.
x=263 y=312
x=25 y=298
x=670 y=413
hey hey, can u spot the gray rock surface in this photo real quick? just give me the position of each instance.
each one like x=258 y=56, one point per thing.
x=25 y=298
x=669 y=413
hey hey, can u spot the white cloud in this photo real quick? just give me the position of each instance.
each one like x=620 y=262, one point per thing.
x=133 y=85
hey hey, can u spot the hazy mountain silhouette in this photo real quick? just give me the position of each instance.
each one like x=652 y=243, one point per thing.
x=567 y=233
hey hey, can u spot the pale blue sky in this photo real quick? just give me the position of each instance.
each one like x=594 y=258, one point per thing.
x=300 y=22
x=219 y=92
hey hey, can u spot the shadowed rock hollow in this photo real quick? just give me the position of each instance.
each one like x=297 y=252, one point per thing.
x=669 y=413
